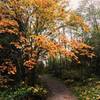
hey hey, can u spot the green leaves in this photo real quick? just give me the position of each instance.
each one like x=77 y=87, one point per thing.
x=15 y=94
x=90 y=91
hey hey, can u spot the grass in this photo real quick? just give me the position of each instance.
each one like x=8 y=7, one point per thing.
x=88 y=90
x=22 y=92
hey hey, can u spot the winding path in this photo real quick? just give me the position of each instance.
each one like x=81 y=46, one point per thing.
x=58 y=90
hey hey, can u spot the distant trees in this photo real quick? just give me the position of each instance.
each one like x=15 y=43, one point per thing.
x=90 y=10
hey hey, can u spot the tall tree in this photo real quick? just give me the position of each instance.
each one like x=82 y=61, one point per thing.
x=40 y=25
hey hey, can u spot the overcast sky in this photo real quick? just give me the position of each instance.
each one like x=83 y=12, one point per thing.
x=74 y=3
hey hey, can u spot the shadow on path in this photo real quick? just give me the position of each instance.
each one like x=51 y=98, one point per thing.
x=58 y=91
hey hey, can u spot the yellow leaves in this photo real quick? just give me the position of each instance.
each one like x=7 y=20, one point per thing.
x=85 y=28
x=44 y=3
x=46 y=9
x=46 y=15
x=77 y=21
x=39 y=4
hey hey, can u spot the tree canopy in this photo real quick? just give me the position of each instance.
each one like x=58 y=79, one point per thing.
x=37 y=29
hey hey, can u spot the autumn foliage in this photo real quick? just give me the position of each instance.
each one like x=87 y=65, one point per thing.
x=33 y=29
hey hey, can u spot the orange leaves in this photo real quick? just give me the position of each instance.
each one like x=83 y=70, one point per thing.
x=12 y=70
x=7 y=23
x=74 y=47
x=41 y=16
x=46 y=44
x=68 y=53
x=63 y=39
x=1 y=47
x=30 y=64
x=82 y=48
x=8 y=26
x=79 y=45
x=64 y=47
x=23 y=40
x=53 y=48
x=16 y=44
x=8 y=67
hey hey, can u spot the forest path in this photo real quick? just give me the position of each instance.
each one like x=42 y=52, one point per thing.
x=58 y=90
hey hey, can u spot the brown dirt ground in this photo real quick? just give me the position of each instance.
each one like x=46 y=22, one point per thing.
x=58 y=90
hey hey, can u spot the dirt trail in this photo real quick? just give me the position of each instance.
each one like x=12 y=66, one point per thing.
x=58 y=90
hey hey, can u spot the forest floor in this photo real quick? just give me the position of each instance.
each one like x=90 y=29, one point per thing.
x=57 y=89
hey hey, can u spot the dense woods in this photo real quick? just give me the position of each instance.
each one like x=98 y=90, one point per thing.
x=46 y=37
